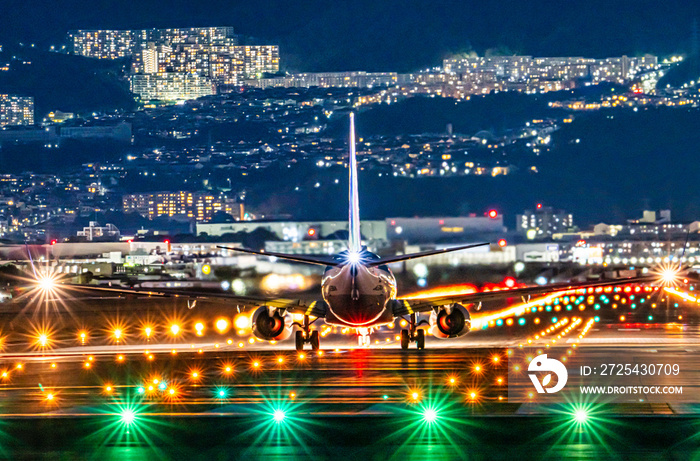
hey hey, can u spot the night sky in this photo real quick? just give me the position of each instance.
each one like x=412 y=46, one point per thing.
x=319 y=35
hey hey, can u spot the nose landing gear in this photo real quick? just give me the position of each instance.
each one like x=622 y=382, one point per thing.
x=363 y=337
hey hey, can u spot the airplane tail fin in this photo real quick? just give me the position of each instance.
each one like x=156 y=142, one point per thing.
x=354 y=243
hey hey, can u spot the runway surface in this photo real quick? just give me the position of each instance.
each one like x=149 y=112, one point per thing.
x=221 y=393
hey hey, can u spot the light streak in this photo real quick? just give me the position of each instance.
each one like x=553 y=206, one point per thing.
x=452 y=290
x=681 y=294
x=516 y=310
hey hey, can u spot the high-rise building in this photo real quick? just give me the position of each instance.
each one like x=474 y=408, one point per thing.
x=198 y=206
x=209 y=52
x=16 y=110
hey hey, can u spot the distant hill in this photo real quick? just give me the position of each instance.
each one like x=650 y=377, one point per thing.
x=66 y=83
x=322 y=35
x=624 y=162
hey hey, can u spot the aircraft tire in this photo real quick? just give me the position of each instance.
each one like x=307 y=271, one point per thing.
x=404 y=339
x=315 y=342
x=420 y=339
x=299 y=340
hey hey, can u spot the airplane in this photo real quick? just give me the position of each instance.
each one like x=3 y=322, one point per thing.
x=359 y=291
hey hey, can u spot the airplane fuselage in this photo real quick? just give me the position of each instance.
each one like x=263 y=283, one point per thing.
x=358 y=296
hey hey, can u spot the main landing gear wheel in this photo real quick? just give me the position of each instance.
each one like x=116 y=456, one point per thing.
x=305 y=335
x=413 y=334
x=299 y=340
x=405 y=339
x=420 y=339
x=315 y=343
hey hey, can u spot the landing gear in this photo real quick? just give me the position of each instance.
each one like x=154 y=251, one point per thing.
x=420 y=339
x=305 y=335
x=413 y=334
x=363 y=337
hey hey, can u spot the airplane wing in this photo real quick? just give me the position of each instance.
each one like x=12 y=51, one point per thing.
x=312 y=307
x=414 y=306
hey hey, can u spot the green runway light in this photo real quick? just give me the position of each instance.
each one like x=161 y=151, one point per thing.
x=554 y=320
x=385 y=396
x=596 y=318
x=127 y=416
x=140 y=390
x=278 y=416
x=521 y=322
x=162 y=386
x=651 y=317
x=580 y=416
x=430 y=415
x=221 y=393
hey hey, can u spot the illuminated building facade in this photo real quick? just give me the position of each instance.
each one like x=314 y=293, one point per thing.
x=16 y=110
x=526 y=68
x=543 y=222
x=211 y=53
x=170 y=86
x=198 y=206
x=358 y=79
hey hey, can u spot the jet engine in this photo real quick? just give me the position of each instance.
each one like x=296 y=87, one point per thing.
x=270 y=325
x=450 y=321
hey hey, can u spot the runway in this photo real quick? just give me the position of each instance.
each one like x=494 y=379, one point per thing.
x=167 y=394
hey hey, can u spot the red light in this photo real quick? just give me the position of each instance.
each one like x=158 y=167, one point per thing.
x=502 y=243
x=539 y=205
x=441 y=222
x=493 y=214
x=311 y=231
x=54 y=242
x=509 y=282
